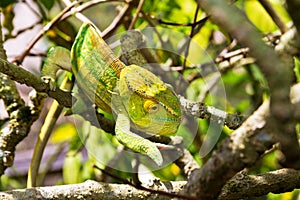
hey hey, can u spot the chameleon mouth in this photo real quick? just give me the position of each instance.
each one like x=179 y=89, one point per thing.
x=166 y=119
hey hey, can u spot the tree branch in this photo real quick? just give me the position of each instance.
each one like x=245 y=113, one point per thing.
x=239 y=187
x=22 y=76
x=21 y=116
x=92 y=190
x=242 y=186
x=200 y=110
x=242 y=149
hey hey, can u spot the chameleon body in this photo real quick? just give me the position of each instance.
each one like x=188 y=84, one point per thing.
x=138 y=98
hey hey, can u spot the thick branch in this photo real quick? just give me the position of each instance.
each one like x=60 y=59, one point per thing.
x=239 y=187
x=242 y=149
x=17 y=129
x=21 y=117
x=277 y=70
x=242 y=186
x=22 y=76
x=90 y=190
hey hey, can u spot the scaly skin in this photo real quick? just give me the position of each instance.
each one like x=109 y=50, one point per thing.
x=137 y=97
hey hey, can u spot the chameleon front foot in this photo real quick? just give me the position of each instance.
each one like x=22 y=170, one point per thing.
x=136 y=142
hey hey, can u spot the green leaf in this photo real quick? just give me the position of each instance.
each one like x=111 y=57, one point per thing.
x=4 y=3
x=47 y=3
x=297 y=68
x=64 y=132
x=259 y=17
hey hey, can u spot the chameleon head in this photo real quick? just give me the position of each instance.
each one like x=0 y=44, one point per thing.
x=151 y=104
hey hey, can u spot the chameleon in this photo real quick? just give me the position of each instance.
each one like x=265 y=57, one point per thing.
x=138 y=99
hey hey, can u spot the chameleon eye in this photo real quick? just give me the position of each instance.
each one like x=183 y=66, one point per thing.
x=150 y=106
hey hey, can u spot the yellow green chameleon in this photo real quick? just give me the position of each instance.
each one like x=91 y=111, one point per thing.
x=138 y=98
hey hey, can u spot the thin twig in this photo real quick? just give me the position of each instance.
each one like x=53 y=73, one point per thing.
x=89 y=4
x=269 y=8
x=225 y=61
x=32 y=9
x=160 y=21
x=200 y=110
x=78 y=15
x=148 y=19
x=67 y=12
x=116 y=21
x=186 y=53
x=138 y=10
x=20 y=58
